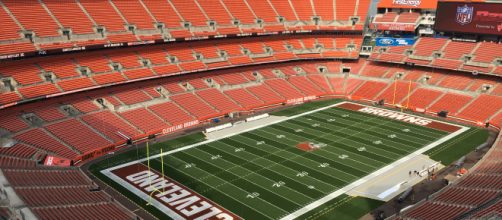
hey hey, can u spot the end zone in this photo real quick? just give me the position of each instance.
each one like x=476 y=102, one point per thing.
x=453 y=130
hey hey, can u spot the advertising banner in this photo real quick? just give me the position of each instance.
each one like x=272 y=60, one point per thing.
x=421 y=4
x=56 y=161
x=392 y=42
x=394 y=26
x=477 y=18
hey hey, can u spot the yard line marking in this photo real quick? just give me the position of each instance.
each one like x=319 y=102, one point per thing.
x=250 y=172
x=389 y=132
x=226 y=182
x=327 y=197
x=340 y=139
x=330 y=152
x=367 y=178
x=365 y=135
x=336 y=154
x=386 y=139
x=277 y=164
x=424 y=129
x=300 y=156
x=226 y=136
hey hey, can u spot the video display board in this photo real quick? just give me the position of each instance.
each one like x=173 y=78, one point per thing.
x=478 y=18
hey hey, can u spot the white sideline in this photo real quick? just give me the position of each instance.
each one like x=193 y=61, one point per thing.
x=314 y=204
x=387 y=168
x=223 y=137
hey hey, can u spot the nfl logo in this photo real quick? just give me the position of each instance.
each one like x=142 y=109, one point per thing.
x=464 y=14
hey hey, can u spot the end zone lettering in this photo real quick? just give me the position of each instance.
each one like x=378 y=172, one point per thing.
x=396 y=116
x=186 y=203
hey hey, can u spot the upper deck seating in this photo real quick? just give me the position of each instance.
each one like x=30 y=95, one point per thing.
x=130 y=21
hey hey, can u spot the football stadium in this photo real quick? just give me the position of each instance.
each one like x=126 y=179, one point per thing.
x=250 y=109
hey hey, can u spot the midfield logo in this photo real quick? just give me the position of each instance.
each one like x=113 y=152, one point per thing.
x=464 y=14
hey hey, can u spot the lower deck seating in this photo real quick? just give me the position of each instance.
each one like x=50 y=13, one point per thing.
x=195 y=106
x=111 y=125
x=41 y=139
x=396 y=92
x=320 y=81
x=18 y=150
x=144 y=120
x=284 y=88
x=466 y=196
x=482 y=108
x=306 y=86
x=421 y=98
x=218 y=100
x=62 y=194
x=171 y=113
x=44 y=196
x=369 y=90
x=108 y=211
x=450 y=102
x=435 y=211
x=265 y=94
x=14 y=162
x=12 y=122
x=47 y=178
x=244 y=98
x=167 y=102
x=78 y=135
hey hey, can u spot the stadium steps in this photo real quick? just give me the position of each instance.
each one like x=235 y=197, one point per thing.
x=183 y=109
x=158 y=116
x=86 y=13
x=205 y=102
x=467 y=104
x=475 y=49
x=147 y=10
x=95 y=130
x=202 y=10
x=54 y=137
x=323 y=79
x=404 y=101
x=495 y=115
x=230 y=98
x=436 y=100
x=127 y=122
x=117 y=11
x=441 y=50
x=41 y=2
x=362 y=68
x=390 y=84
x=7 y=10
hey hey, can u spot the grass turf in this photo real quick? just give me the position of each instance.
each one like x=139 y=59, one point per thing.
x=262 y=175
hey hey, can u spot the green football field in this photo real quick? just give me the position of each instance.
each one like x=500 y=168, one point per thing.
x=262 y=174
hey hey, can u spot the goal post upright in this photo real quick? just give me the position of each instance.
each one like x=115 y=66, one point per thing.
x=409 y=93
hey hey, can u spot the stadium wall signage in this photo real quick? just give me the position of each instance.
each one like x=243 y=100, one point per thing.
x=170 y=40
x=422 y=4
x=180 y=201
x=414 y=3
x=389 y=41
x=477 y=18
x=300 y=100
x=394 y=26
x=179 y=127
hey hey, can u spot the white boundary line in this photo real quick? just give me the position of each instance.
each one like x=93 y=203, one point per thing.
x=312 y=205
x=365 y=179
